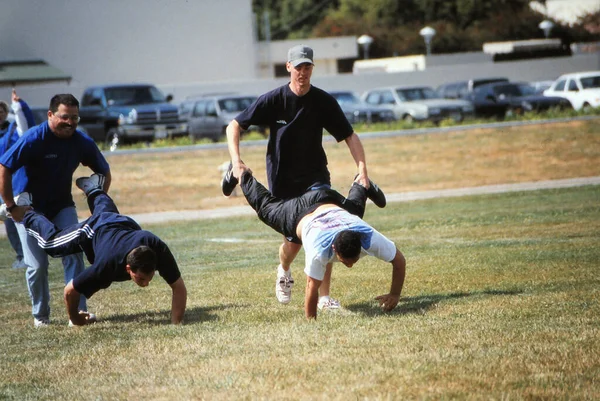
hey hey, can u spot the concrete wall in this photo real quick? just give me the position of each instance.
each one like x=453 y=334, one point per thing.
x=114 y=41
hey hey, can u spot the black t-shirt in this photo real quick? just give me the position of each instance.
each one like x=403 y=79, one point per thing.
x=295 y=155
x=112 y=243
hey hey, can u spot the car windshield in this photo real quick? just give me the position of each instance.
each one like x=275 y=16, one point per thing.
x=412 y=94
x=590 y=82
x=346 y=98
x=508 y=90
x=233 y=105
x=124 y=96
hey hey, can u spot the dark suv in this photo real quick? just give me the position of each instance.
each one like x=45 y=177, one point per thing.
x=466 y=90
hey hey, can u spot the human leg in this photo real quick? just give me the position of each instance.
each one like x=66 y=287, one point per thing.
x=15 y=243
x=36 y=275
x=73 y=264
x=54 y=241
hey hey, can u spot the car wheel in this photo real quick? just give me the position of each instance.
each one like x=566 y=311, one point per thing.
x=408 y=119
x=586 y=107
x=112 y=139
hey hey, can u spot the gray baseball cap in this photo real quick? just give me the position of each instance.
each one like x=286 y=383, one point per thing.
x=300 y=54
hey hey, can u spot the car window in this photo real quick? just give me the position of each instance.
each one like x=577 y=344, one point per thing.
x=462 y=90
x=199 y=109
x=373 y=98
x=122 y=96
x=560 y=85
x=234 y=105
x=211 y=108
x=590 y=82
x=413 y=94
x=573 y=86
x=387 y=97
x=345 y=98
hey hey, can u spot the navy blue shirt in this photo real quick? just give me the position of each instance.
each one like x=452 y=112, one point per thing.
x=115 y=237
x=295 y=156
x=49 y=163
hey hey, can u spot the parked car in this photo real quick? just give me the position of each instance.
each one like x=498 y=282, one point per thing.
x=582 y=89
x=209 y=115
x=129 y=112
x=357 y=111
x=466 y=90
x=515 y=98
x=418 y=103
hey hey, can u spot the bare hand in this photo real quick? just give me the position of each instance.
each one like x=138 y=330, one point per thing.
x=362 y=179
x=15 y=98
x=239 y=168
x=388 y=301
x=18 y=213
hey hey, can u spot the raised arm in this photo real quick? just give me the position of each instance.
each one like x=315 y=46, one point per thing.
x=358 y=154
x=179 y=301
x=390 y=301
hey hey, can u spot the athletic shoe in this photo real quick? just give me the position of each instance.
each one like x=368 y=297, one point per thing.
x=229 y=181
x=91 y=319
x=327 y=302
x=283 y=286
x=376 y=194
x=41 y=322
x=90 y=184
x=23 y=199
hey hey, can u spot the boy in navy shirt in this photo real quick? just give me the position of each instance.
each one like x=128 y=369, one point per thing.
x=115 y=245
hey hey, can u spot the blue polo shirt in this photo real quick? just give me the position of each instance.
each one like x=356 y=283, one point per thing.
x=295 y=155
x=49 y=163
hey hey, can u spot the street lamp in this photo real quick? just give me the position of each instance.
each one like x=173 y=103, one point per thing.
x=365 y=41
x=428 y=33
x=546 y=26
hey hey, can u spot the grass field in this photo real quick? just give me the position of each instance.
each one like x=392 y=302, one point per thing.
x=501 y=299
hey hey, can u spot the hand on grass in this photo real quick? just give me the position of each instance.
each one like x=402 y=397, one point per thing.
x=388 y=301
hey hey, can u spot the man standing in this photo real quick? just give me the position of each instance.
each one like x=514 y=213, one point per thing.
x=48 y=155
x=9 y=134
x=296 y=114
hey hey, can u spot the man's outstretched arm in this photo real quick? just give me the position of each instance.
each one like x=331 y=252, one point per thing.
x=390 y=301
x=179 y=301
x=311 y=297
x=72 y=302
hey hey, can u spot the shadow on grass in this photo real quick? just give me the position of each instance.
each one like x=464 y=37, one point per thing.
x=423 y=303
x=193 y=315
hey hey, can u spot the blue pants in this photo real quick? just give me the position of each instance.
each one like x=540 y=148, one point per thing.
x=37 y=261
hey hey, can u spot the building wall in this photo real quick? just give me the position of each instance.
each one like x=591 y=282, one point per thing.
x=114 y=41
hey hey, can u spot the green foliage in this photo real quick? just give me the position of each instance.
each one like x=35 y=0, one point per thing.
x=461 y=25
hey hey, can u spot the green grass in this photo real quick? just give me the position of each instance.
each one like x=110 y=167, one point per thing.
x=501 y=301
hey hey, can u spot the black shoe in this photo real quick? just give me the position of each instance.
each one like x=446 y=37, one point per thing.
x=376 y=194
x=229 y=181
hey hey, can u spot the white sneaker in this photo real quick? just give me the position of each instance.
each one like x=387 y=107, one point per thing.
x=91 y=319
x=41 y=322
x=327 y=302
x=283 y=285
x=90 y=184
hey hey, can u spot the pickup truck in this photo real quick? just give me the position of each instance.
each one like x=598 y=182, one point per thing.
x=117 y=114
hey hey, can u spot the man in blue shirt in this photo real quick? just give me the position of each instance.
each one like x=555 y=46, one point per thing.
x=10 y=132
x=115 y=245
x=48 y=155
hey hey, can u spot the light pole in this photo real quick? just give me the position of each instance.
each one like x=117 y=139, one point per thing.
x=546 y=26
x=365 y=41
x=428 y=33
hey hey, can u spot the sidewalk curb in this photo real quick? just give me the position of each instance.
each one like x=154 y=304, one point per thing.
x=163 y=217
